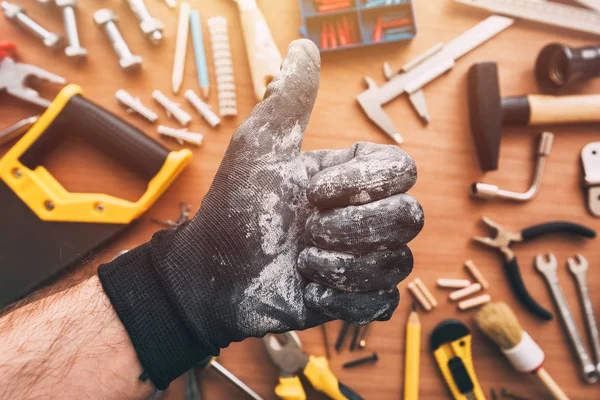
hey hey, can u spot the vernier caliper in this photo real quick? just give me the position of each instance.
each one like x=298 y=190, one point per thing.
x=424 y=69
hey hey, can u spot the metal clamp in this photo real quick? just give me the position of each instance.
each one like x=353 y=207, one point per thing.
x=487 y=191
x=590 y=159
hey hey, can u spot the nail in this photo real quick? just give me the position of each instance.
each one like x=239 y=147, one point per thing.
x=366 y=360
x=342 y=336
x=355 y=337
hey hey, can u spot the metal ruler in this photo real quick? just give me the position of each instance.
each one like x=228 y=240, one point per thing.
x=545 y=12
x=593 y=4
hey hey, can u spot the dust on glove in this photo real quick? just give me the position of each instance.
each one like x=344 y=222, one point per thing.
x=283 y=240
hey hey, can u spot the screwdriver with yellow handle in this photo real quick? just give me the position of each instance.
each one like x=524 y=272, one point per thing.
x=286 y=352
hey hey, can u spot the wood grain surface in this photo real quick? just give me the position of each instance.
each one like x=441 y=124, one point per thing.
x=443 y=151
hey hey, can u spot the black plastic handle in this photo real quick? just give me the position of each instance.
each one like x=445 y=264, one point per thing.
x=349 y=393
x=518 y=287
x=105 y=131
x=557 y=227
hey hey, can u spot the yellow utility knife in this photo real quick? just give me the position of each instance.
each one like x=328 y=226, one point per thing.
x=451 y=347
x=286 y=352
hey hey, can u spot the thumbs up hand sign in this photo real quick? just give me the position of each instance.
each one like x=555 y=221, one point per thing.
x=283 y=240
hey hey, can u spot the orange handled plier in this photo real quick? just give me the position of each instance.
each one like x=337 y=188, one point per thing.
x=286 y=352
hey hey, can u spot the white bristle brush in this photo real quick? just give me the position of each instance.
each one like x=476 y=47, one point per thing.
x=498 y=322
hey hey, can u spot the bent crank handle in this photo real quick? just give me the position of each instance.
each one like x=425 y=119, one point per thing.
x=557 y=227
x=518 y=287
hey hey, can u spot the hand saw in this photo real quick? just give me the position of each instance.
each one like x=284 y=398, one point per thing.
x=44 y=227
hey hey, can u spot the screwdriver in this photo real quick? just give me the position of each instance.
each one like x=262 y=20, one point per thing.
x=210 y=362
x=191 y=388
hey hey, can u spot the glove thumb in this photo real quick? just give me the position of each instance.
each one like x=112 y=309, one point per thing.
x=278 y=122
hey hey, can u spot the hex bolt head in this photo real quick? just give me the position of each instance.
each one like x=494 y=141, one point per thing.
x=11 y=10
x=53 y=41
x=130 y=64
x=104 y=16
x=76 y=52
x=66 y=3
x=153 y=28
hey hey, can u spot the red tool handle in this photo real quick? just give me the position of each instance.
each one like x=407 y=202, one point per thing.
x=8 y=49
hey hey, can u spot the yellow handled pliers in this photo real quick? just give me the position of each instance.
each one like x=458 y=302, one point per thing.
x=285 y=351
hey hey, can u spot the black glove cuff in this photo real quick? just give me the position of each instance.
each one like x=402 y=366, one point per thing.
x=165 y=346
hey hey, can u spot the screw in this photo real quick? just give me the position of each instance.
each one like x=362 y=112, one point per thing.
x=17 y=14
x=152 y=27
x=493 y=394
x=355 y=337
x=99 y=207
x=17 y=173
x=371 y=359
x=342 y=336
x=74 y=49
x=105 y=18
x=363 y=337
x=49 y=205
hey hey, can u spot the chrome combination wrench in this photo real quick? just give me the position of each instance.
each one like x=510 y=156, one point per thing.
x=547 y=266
x=579 y=269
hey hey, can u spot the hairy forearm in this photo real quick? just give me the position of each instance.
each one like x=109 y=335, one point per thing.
x=69 y=345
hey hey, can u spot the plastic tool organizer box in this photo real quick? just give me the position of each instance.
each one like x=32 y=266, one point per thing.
x=362 y=18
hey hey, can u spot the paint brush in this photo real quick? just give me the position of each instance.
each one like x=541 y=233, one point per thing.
x=498 y=322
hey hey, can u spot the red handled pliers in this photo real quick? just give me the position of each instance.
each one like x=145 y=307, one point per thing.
x=13 y=76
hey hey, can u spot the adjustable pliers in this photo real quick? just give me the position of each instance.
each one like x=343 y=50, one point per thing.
x=504 y=239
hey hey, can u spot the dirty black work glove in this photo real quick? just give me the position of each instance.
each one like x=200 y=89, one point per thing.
x=283 y=240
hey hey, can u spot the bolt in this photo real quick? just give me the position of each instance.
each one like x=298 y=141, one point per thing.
x=74 y=49
x=363 y=337
x=105 y=18
x=371 y=359
x=150 y=26
x=17 y=15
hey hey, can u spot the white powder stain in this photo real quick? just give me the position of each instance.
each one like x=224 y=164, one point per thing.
x=271 y=225
x=362 y=197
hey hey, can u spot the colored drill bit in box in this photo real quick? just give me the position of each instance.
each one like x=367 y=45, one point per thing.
x=336 y=33
x=382 y=3
x=394 y=27
x=332 y=5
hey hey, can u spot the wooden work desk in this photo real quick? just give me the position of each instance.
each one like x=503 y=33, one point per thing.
x=443 y=151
